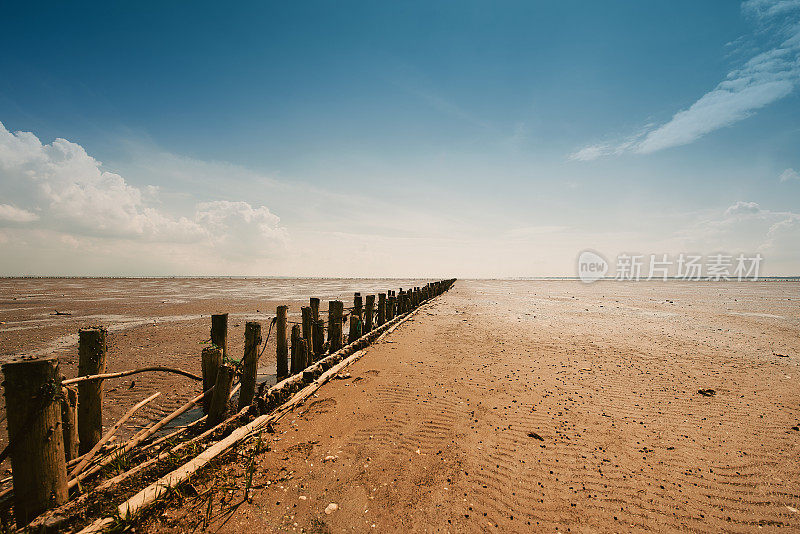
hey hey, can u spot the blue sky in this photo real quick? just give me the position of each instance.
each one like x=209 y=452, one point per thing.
x=395 y=138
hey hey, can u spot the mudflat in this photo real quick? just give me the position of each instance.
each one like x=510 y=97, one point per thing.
x=540 y=406
x=154 y=322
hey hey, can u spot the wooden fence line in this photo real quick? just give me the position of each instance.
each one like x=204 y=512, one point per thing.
x=40 y=478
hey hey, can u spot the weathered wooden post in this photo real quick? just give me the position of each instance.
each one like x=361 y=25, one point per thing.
x=91 y=361
x=355 y=328
x=281 y=330
x=210 y=359
x=308 y=327
x=358 y=313
x=318 y=329
x=369 y=311
x=305 y=352
x=69 y=422
x=335 y=309
x=390 y=308
x=381 y=309
x=252 y=340
x=297 y=357
x=219 y=332
x=219 y=399
x=33 y=410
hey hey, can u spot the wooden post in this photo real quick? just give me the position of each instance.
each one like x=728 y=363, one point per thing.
x=390 y=308
x=355 y=327
x=335 y=309
x=210 y=359
x=69 y=422
x=219 y=332
x=252 y=340
x=308 y=329
x=357 y=312
x=281 y=330
x=381 y=308
x=305 y=352
x=219 y=399
x=33 y=409
x=298 y=357
x=369 y=310
x=319 y=338
x=91 y=361
x=318 y=328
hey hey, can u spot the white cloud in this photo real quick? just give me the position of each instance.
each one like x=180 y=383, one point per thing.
x=747 y=227
x=743 y=208
x=13 y=214
x=59 y=188
x=591 y=153
x=238 y=228
x=770 y=8
x=764 y=79
x=789 y=175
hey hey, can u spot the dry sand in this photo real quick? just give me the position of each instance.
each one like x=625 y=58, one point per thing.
x=542 y=406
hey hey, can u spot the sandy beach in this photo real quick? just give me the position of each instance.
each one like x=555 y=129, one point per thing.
x=541 y=406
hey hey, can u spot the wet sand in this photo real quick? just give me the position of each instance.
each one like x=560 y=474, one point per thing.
x=542 y=406
x=151 y=322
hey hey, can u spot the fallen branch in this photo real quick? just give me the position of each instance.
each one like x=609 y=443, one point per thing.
x=140 y=437
x=113 y=430
x=104 y=376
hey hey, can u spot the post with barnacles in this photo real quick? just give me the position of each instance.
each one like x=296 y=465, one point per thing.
x=33 y=408
x=92 y=350
x=335 y=309
x=252 y=340
x=281 y=331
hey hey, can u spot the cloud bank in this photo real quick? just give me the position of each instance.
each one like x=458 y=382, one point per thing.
x=765 y=78
x=58 y=188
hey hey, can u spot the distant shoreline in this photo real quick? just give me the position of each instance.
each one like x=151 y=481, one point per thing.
x=787 y=278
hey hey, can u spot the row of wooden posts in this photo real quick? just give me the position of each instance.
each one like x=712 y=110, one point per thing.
x=51 y=426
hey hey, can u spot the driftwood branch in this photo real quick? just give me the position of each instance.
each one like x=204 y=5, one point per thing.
x=140 y=437
x=128 y=373
x=113 y=430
